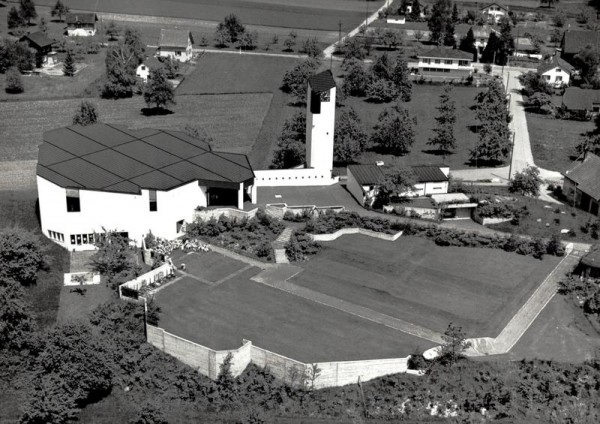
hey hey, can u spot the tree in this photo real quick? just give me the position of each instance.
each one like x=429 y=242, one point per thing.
x=587 y=61
x=14 y=18
x=526 y=182
x=350 y=138
x=382 y=68
x=112 y=31
x=16 y=316
x=14 y=85
x=532 y=83
x=27 y=10
x=381 y=90
x=467 y=44
x=159 y=91
x=449 y=39
x=455 y=343
x=295 y=80
x=455 y=17
x=121 y=63
x=248 y=40
x=290 y=150
x=398 y=182
x=353 y=49
x=491 y=48
x=231 y=25
x=290 y=41
x=69 y=68
x=310 y=47
x=114 y=256
x=133 y=39
x=86 y=114
x=59 y=10
x=401 y=78
x=506 y=42
x=443 y=136
x=559 y=18
x=48 y=402
x=556 y=36
x=356 y=78
x=21 y=256
x=394 y=131
x=415 y=13
x=418 y=34
x=43 y=26
x=295 y=127
x=391 y=39
x=549 y=2
x=542 y=103
x=440 y=21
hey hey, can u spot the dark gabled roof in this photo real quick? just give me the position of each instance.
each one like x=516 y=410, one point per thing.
x=586 y=175
x=495 y=4
x=575 y=98
x=366 y=174
x=113 y=158
x=573 y=41
x=446 y=53
x=84 y=18
x=592 y=258
x=174 y=38
x=555 y=62
x=38 y=40
x=428 y=174
x=322 y=82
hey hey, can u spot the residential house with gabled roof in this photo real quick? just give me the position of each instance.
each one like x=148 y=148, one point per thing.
x=494 y=12
x=581 y=184
x=482 y=35
x=573 y=41
x=81 y=24
x=556 y=71
x=132 y=181
x=581 y=101
x=176 y=44
x=42 y=44
x=442 y=62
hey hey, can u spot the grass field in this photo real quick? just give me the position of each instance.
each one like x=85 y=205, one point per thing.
x=415 y=280
x=211 y=266
x=553 y=141
x=425 y=99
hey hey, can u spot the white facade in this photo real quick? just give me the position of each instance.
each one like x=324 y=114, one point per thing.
x=428 y=188
x=178 y=53
x=142 y=72
x=84 y=31
x=557 y=77
x=495 y=12
x=398 y=20
x=115 y=211
x=446 y=64
x=319 y=131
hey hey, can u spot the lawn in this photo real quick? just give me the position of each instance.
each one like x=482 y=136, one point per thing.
x=77 y=306
x=425 y=99
x=553 y=141
x=220 y=317
x=415 y=280
x=233 y=121
x=211 y=266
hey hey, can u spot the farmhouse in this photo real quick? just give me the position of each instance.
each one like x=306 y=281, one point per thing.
x=176 y=44
x=556 y=71
x=81 y=24
x=494 y=12
x=582 y=101
x=582 y=184
x=573 y=41
x=132 y=181
x=42 y=45
x=445 y=63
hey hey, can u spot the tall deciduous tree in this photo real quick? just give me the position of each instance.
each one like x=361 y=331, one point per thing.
x=27 y=10
x=587 y=60
x=382 y=68
x=401 y=78
x=231 y=25
x=21 y=255
x=133 y=38
x=112 y=31
x=291 y=150
x=396 y=183
x=59 y=9
x=295 y=80
x=86 y=114
x=158 y=91
x=350 y=138
x=443 y=136
x=395 y=131
x=440 y=21
x=121 y=63
x=114 y=255
x=527 y=182
x=356 y=78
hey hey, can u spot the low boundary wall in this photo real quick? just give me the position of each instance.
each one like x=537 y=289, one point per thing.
x=147 y=278
x=207 y=214
x=329 y=374
x=278 y=210
x=344 y=231
x=88 y=278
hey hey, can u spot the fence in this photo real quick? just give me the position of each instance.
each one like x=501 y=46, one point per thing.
x=207 y=214
x=329 y=374
x=343 y=231
x=145 y=279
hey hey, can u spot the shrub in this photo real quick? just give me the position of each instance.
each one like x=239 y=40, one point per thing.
x=300 y=246
x=416 y=361
x=555 y=247
x=14 y=85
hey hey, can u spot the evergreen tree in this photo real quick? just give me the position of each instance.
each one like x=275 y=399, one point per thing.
x=69 y=65
x=467 y=44
x=415 y=13
x=133 y=39
x=449 y=39
x=59 y=10
x=112 y=31
x=86 y=114
x=444 y=137
x=439 y=21
x=455 y=17
x=14 y=18
x=401 y=78
x=27 y=10
x=395 y=131
x=455 y=343
x=491 y=48
x=159 y=91
x=506 y=44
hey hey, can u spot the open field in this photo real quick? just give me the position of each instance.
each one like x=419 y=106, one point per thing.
x=233 y=121
x=417 y=281
x=425 y=99
x=220 y=317
x=553 y=141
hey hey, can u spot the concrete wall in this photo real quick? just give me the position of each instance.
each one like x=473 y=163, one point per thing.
x=344 y=231
x=319 y=133
x=117 y=211
x=296 y=177
x=278 y=210
x=207 y=214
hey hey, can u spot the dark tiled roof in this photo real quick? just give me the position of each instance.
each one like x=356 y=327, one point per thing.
x=322 y=82
x=174 y=38
x=445 y=53
x=592 y=258
x=85 y=18
x=38 y=40
x=573 y=41
x=494 y=4
x=366 y=174
x=112 y=158
x=576 y=98
x=587 y=176
x=428 y=174
x=555 y=62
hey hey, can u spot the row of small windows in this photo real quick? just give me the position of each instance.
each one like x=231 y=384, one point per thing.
x=436 y=70
x=289 y=178
x=74 y=204
x=80 y=239
x=446 y=62
x=56 y=236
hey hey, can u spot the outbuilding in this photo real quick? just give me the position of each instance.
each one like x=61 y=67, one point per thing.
x=176 y=44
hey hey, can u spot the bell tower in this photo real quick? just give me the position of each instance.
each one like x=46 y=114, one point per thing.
x=320 y=121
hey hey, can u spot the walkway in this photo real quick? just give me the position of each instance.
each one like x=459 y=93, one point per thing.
x=279 y=245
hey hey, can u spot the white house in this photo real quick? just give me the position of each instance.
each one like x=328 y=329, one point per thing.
x=430 y=179
x=81 y=24
x=581 y=184
x=176 y=44
x=556 y=71
x=494 y=12
x=396 y=19
x=142 y=72
x=445 y=63
x=132 y=181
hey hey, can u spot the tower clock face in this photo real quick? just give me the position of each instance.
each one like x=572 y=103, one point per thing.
x=324 y=96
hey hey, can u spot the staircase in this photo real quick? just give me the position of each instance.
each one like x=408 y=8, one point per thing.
x=279 y=246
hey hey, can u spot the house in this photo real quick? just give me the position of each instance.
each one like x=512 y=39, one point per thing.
x=524 y=47
x=589 y=265
x=482 y=35
x=176 y=44
x=436 y=207
x=494 y=12
x=581 y=101
x=142 y=72
x=81 y=24
x=581 y=184
x=430 y=179
x=573 y=41
x=556 y=71
x=132 y=181
x=396 y=19
x=445 y=63
x=42 y=45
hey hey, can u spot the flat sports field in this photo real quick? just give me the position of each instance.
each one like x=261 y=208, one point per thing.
x=415 y=280
x=221 y=316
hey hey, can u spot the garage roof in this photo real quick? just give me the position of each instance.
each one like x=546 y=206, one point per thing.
x=113 y=158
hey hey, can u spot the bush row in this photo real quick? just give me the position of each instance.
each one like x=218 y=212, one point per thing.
x=301 y=246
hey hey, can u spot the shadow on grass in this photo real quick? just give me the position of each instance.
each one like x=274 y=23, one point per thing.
x=438 y=152
x=156 y=111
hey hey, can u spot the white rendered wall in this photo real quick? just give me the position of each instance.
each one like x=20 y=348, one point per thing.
x=297 y=177
x=319 y=133
x=117 y=211
x=553 y=73
x=355 y=189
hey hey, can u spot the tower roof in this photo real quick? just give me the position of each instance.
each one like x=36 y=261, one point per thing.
x=322 y=82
